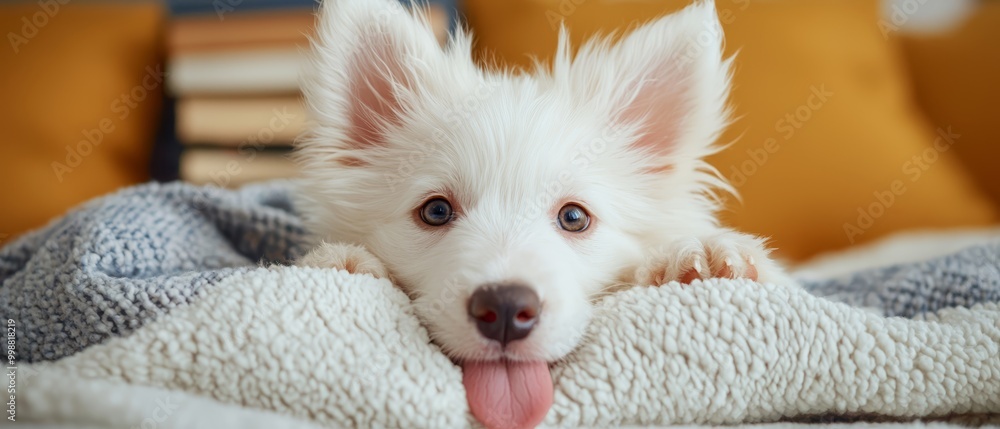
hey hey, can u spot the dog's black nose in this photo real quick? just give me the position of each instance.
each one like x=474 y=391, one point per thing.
x=505 y=312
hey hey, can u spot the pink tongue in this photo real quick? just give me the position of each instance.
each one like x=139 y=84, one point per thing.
x=508 y=395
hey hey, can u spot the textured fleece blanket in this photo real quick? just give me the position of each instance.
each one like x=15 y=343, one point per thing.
x=159 y=303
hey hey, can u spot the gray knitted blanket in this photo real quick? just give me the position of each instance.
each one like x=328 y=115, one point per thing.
x=186 y=289
x=112 y=265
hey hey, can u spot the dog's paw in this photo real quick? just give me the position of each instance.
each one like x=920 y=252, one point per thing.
x=352 y=258
x=727 y=254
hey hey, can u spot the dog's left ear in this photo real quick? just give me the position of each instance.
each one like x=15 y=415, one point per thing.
x=667 y=80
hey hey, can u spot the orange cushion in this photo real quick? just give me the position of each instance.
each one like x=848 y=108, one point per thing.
x=81 y=89
x=827 y=126
x=955 y=76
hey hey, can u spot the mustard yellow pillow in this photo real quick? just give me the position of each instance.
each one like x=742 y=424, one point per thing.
x=955 y=76
x=81 y=85
x=829 y=147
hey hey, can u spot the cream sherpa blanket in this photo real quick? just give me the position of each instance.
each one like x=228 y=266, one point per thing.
x=293 y=347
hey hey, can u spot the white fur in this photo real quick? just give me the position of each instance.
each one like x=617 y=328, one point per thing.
x=621 y=128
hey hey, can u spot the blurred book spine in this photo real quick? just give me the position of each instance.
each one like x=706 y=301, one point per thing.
x=223 y=9
x=229 y=121
x=232 y=167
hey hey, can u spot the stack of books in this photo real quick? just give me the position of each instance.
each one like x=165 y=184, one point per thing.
x=234 y=71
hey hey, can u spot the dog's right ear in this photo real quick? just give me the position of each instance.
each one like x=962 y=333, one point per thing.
x=369 y=59
x=668 y=79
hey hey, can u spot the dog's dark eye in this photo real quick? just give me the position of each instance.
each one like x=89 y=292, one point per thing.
x=436 y=212
x=573 y=218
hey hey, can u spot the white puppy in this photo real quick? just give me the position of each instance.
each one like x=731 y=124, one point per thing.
x=505 y=203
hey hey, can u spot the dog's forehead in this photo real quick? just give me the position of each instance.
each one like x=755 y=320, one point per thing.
x=511 y=147
x=520 y=125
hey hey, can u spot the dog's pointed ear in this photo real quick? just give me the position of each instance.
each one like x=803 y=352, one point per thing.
x=369 y=58
x=667 y=80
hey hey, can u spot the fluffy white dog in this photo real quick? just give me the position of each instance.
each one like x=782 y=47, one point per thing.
x=505 y=203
